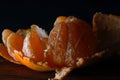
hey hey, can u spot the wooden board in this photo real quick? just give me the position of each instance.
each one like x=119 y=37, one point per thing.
x=106 y=69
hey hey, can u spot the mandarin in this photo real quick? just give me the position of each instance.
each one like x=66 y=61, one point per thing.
x=4 y=54
x=34 y=44
x=5 y=34
x=69 y=40
x=14 y=42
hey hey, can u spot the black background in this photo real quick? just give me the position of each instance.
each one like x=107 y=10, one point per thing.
x=16 y=14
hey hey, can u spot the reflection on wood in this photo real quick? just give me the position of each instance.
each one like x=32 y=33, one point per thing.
x=104 y=69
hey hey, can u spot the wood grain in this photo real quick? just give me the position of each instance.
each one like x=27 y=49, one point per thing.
x=11 y=71
x=106 y=69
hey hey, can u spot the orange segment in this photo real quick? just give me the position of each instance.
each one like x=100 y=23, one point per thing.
x=69 y=40
x=34 y=44
x=41 y=33
x=5 y=34
x=30 y=64
x=14 y=42
x=57 y=43
x=81 y=37
x=4 y=54
x=60 y=19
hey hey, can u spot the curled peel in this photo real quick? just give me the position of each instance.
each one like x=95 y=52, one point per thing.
x=30 y=64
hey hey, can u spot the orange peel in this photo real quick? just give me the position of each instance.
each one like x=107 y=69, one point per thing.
x=30 y=64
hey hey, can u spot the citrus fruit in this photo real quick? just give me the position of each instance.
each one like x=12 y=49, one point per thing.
x=32 y=54
x=4 y=54
x=69 y=40
x=14 y=42
x=34 y=44
x=5 y=34
x=40 y=66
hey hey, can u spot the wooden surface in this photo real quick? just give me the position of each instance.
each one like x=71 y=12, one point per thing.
x=106 y=69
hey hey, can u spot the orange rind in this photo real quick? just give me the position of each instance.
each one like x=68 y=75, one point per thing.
x=39 y=66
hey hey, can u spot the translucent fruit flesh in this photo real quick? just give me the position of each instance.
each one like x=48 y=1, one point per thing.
x=5 y=34
x=33 y=50
x=4 y=54
x=69 y=40
x=14 y=42
x=34 y=45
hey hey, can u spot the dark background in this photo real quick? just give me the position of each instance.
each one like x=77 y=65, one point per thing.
x=16 y=14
